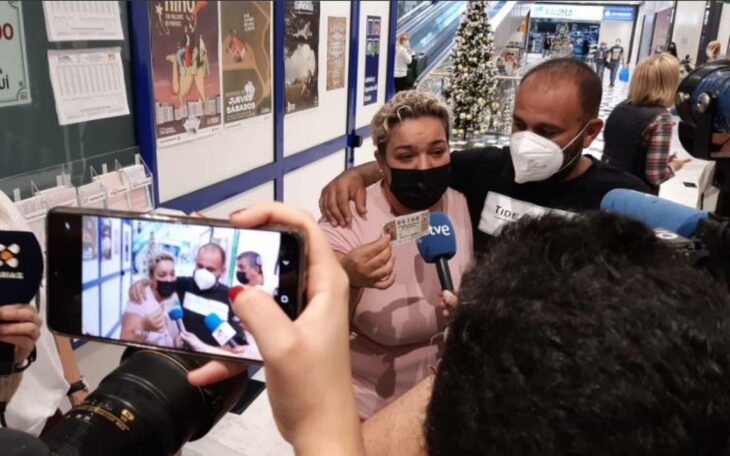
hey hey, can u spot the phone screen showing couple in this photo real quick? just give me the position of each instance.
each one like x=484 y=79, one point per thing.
x=164 y=282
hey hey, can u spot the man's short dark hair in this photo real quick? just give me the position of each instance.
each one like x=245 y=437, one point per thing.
x=584 y=336
x=252 y=258
x=218 y=248
x=588 y=82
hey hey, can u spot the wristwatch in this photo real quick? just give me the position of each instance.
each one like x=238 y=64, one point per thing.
x=78 y=385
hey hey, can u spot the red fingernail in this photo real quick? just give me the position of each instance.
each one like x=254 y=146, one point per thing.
x=234 y=291
x=236 y=212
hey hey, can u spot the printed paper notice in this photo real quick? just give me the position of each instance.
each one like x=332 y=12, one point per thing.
x=87 y=84
x=83 y=20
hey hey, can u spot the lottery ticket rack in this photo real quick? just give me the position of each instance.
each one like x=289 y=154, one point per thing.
x=118 y=180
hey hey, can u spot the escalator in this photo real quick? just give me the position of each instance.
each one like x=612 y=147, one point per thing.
x=431 y=27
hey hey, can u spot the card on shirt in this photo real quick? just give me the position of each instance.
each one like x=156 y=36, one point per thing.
x=407 y=228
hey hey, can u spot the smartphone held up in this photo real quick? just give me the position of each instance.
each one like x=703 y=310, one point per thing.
x=163 y=281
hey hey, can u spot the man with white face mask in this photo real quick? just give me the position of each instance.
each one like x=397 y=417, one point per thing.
x=201 y=295
x=555 y=117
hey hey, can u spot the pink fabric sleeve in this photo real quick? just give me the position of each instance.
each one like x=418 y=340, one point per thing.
x=341 y=239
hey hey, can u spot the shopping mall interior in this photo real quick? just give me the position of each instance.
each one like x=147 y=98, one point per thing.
x=162 y=109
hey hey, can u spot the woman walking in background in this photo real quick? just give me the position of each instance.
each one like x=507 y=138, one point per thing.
x=403 y=58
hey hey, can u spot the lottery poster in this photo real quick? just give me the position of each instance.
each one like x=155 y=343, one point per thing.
x=246 y=59
x=185 y=71
x=301 y=60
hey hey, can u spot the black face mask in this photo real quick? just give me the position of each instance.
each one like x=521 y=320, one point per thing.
x=241 y=277
x=419 y=189
x=166 y=289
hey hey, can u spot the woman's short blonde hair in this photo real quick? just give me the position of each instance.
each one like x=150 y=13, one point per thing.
x=155 y=260
x=655 y=81
x=408 y=104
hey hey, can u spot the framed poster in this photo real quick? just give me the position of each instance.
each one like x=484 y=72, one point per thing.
x=372 y=59
x=185 y=71
x=336 y=30
x=14 y=89
x=246 y=59
x=301 y=46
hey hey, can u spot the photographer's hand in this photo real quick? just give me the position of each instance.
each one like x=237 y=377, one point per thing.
x=308 y=360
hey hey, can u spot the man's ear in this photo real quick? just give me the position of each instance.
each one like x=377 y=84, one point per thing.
x=593 y=128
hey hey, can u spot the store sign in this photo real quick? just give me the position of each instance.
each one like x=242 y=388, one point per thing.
x=618 y=13
x=13 y=64
x=568 y=12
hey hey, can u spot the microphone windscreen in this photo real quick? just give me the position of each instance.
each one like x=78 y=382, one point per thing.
x=176 y=313
x=21 y=267
x=212 y=322
x=653 y=211
x=440 y=242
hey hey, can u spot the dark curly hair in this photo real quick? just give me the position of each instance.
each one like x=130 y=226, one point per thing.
x=584 y=336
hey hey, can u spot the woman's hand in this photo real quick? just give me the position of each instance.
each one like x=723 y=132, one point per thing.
x=154 y=322
x=447 y=302
x=678 y=163
x=20 y=326
x=371 y=265
x=307 y=361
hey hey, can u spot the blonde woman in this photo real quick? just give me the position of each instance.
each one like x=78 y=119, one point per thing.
x=403 y=58
x=146 y=320
x=395 y=299
x=638 y=132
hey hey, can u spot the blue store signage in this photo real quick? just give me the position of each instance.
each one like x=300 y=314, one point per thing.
x=618 y=13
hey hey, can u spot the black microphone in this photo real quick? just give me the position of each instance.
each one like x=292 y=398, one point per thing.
x=439 y=246
x=21 y=270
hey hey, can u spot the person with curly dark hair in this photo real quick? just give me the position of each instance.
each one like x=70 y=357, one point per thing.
x=574 y=336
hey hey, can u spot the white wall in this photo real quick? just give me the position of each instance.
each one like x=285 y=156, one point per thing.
x=611 y=30
x=364 y=153
x=688 y=28
x=647 y=7
x=302 y=186
x=723 y=33
x=364 y=114
x=222 y=210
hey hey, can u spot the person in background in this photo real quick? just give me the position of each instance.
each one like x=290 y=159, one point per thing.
x=248 y=269
x=510 y=63
x=601 y=58
x=713 y=50
x=403 y=57
x=147 y=320
x=672 y=49
x=638 y=131
x=546 y=44
x=615 y=60
x=395 y=297
x=586 y=48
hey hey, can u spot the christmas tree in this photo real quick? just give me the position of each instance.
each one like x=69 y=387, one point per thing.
x=471 y=88
x=562 y=45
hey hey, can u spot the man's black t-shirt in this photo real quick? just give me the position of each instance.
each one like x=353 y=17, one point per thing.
x=194 y=313
x=486 y=178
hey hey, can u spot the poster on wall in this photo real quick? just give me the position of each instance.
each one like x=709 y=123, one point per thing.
x=336 y=30
x=301 y=46
x=82 y=20
x=185 y=72
x=246 y=59
x=14 y=88
x=372 y=59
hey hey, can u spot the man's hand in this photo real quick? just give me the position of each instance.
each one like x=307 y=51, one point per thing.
x=136 y=291
x=334 y=201
x=194 y=343
x=20 y=325
x=154 y=321
x=678 y=163
x=371 y=265
x=78 y=397
x=307 y=361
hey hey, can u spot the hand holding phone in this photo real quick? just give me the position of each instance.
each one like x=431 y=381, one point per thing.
x=307 y=360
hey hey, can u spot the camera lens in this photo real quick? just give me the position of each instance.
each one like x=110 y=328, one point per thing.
x=145 y=406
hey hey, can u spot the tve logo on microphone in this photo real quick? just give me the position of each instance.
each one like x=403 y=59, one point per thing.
x=9 y=258
x=439 y=230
